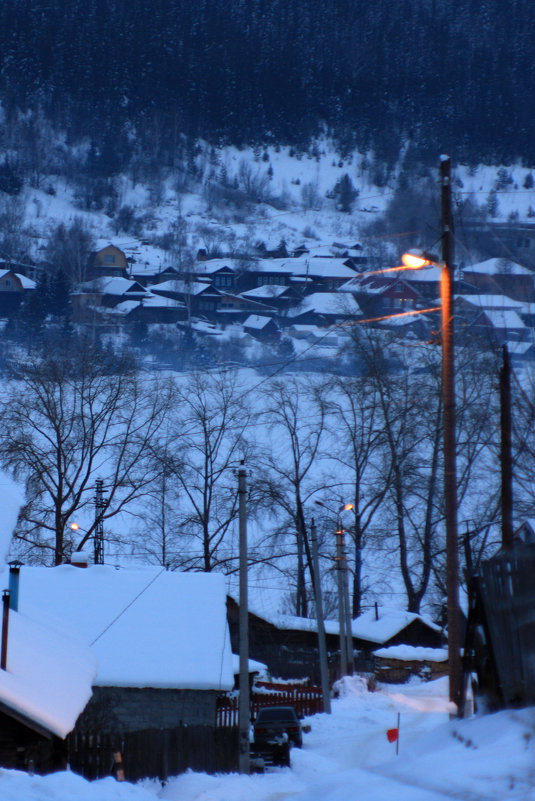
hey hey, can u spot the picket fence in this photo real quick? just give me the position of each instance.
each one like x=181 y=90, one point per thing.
x=306 y=700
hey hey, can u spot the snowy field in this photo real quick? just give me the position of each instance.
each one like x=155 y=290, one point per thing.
x=347 y=757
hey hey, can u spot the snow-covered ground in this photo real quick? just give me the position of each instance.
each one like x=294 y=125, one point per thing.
x=347 y=757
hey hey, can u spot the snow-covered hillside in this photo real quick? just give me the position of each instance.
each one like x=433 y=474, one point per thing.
x=234 y=198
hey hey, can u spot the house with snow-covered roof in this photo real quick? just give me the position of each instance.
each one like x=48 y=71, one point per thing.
x=324 y=308
x=159 y=638
x=46 y=675
x=13 y=288
x=109 y=261
x=501 y=276
x=261 y=327
x=288 y=645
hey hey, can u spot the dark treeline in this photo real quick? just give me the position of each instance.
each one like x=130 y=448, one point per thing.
x=449 y=77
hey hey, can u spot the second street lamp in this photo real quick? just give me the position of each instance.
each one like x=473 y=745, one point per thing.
x=344 y=614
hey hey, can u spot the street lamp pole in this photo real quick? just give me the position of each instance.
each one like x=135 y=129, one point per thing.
x=322 y=644
x=449 y=439
x=448 y=426
x=345 y=591
x=344 y=608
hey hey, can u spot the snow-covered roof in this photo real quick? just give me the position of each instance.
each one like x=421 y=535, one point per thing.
x=325 y=303
x=49 y=674
x=147 y=628
x=402 y=320
x=424 y=275
x=519 y=348
x=182 y=287
x=212 y=266
x=254 y=666
x=265 y=291
x=390 y=623
x=412 y=653
x=27 y=283
x=497 y=267
x=256 y=321
x=365 y=627
x=113 y=286
x=306 y=266
x=504 y=318
x=148 y=302
x=493 y=302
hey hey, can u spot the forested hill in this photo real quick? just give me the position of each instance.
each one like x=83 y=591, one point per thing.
x=454 y=77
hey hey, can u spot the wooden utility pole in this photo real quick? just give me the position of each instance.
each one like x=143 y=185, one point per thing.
x=347 y=607
x=322 y=645
x=244 y=714
x=449 y=434
x=341 y=600
x=505 y=451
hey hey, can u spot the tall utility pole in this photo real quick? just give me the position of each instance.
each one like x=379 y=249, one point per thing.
x=450 y=469
x=347 y=605
x=322 y=645
x=341 y=601
x=244 y=713
x=98 y=536
x=505 y=452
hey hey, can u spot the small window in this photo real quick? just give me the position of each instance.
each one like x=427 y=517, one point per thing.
x=109 y=258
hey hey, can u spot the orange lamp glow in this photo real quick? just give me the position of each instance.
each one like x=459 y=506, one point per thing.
x=414 y=261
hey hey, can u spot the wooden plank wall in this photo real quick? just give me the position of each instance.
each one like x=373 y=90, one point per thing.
x=156 y=753
x=508 y=591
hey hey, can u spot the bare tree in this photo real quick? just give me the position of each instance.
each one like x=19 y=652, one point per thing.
x=295 y=416
x=354 y=419
x=69 y=418
x=210 y=419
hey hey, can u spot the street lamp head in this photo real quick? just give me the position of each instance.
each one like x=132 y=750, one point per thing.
x=416 y=259
x=347 y=507
x=74 y=526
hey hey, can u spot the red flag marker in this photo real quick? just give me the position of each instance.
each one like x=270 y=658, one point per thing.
x=392 y=735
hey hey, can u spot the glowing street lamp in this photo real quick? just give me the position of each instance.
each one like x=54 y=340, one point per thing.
x=344 y=614
x=416 y=260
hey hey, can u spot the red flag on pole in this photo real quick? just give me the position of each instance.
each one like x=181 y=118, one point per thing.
x=392 y=735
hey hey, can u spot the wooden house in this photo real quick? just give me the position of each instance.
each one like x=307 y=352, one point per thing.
x=273 y=295
x=323 y=308
x=163 y=655
x=217 y=271
x=288 y=645
x=44 y=686
x=380 y=295
x=199 y=297
x=108 y=261
x=263 y=328
x=13 y=287
x=501 y=276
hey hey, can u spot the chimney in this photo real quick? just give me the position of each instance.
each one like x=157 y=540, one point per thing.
x=14 y=576
x=5 y=622
x=80 y=559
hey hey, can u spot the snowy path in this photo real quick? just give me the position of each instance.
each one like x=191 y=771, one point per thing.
x=346 y=757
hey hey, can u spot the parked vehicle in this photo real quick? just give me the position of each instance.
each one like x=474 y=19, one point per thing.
x=273 y=723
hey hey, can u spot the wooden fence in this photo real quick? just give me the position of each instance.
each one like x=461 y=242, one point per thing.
x=305 y=700
x=506 y=584
x=155 y=753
